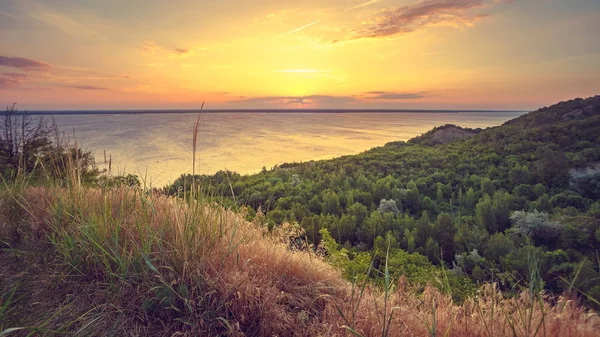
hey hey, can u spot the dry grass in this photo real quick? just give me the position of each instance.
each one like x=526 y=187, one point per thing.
x=125 y=262
x=488 y=314
x=195 y=267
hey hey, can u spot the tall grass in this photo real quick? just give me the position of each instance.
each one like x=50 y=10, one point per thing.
x=156 y=265
x=197 y=267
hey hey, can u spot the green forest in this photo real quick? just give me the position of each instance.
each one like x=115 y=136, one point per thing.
x=505 y=204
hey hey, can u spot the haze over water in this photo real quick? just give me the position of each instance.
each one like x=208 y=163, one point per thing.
x=159 y=146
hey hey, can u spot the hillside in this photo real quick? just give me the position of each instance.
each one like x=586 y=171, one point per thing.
x=494 y=234
x=452 y=205
x=577 y=109
x=121 y=262
x=444 y=134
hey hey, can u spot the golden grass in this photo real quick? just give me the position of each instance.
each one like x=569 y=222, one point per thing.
x=218 y=273
x=488 y=314
x=164 y=266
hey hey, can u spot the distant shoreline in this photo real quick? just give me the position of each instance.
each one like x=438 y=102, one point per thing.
x=183 y=111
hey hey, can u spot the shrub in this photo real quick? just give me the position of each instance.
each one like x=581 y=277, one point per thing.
x=535 y=225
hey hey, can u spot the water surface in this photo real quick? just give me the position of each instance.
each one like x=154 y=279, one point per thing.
x=159 y=146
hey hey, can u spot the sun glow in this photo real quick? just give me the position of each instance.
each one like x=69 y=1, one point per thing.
x=418 y=54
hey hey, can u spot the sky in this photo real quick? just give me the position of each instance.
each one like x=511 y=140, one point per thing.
x=388 y=54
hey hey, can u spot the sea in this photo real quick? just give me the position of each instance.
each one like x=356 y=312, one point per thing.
x=158 y=147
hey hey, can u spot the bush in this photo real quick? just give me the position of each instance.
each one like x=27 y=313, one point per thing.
x=388 y=206
x=22 y=141
x=535 y=225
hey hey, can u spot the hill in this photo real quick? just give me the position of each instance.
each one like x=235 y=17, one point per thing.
x=576 y=109
x=494 y=234
x=444 y=134
x=453 y=205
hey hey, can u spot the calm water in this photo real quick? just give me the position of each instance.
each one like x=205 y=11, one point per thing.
x=159 y=146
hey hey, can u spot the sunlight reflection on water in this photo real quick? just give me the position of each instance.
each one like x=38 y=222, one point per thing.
x=159 y=146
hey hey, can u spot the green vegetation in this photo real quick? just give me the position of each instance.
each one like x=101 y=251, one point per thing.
x=478 y=204
x=84 y=253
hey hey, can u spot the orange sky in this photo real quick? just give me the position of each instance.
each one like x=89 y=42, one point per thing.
x=445 y=54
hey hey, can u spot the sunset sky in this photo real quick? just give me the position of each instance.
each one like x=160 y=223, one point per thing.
x=438 y=54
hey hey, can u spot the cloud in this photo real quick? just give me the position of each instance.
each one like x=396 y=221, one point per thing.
x=76 y=25
x=393 y=95
x=15 y=75
x=181 y=51
x=7 y=15
x=12 y=80
x=299 y=28
x=29 y=70
x=364 y=4
x=406 y=19
x=329 y=101
x=8 y=82
x=300 y=101
x=23 y=63
x=310 y=71
x=87 y=87
x=152 y=48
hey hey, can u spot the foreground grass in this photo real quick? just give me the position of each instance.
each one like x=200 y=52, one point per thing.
x=121 y=261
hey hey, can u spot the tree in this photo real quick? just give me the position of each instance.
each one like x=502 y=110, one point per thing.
x=443 y=233
x=535 y=225
x=432 y=250
x=277 y=216
x=501 y=209
x=314 y=205
x=331 y=203
x=487 y=187
x=470 y=198
x=553 y=169
x=413 y=198
x=26 y=142
x=439 y=193
x=22 y=141
x=359 y=211
x=346 y=228
x=388 y=206
x=539 y=190
x=498 y=246
x=484 y=215
x=519 y=174
x=373 y=227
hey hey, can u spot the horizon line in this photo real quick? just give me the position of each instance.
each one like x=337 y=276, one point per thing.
x=330 y=110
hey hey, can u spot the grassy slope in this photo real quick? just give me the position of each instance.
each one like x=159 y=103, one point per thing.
x=123 y=262
x=84 y=261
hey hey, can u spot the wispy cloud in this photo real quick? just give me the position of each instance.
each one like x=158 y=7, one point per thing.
x=299 y=101
x=393 y=96
x=406 y=19
x=313 y=73
x=150 y=47
x=7 y=15
x=310 y=71
x=11 y=80
x=365 y=4
x=87 y=87
x=23 y=63
x=299 y=29
x=29 y=70
x=329 y=101
x=153 y=48
x=69 y=24
x=153 y=65
x=181 y=51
